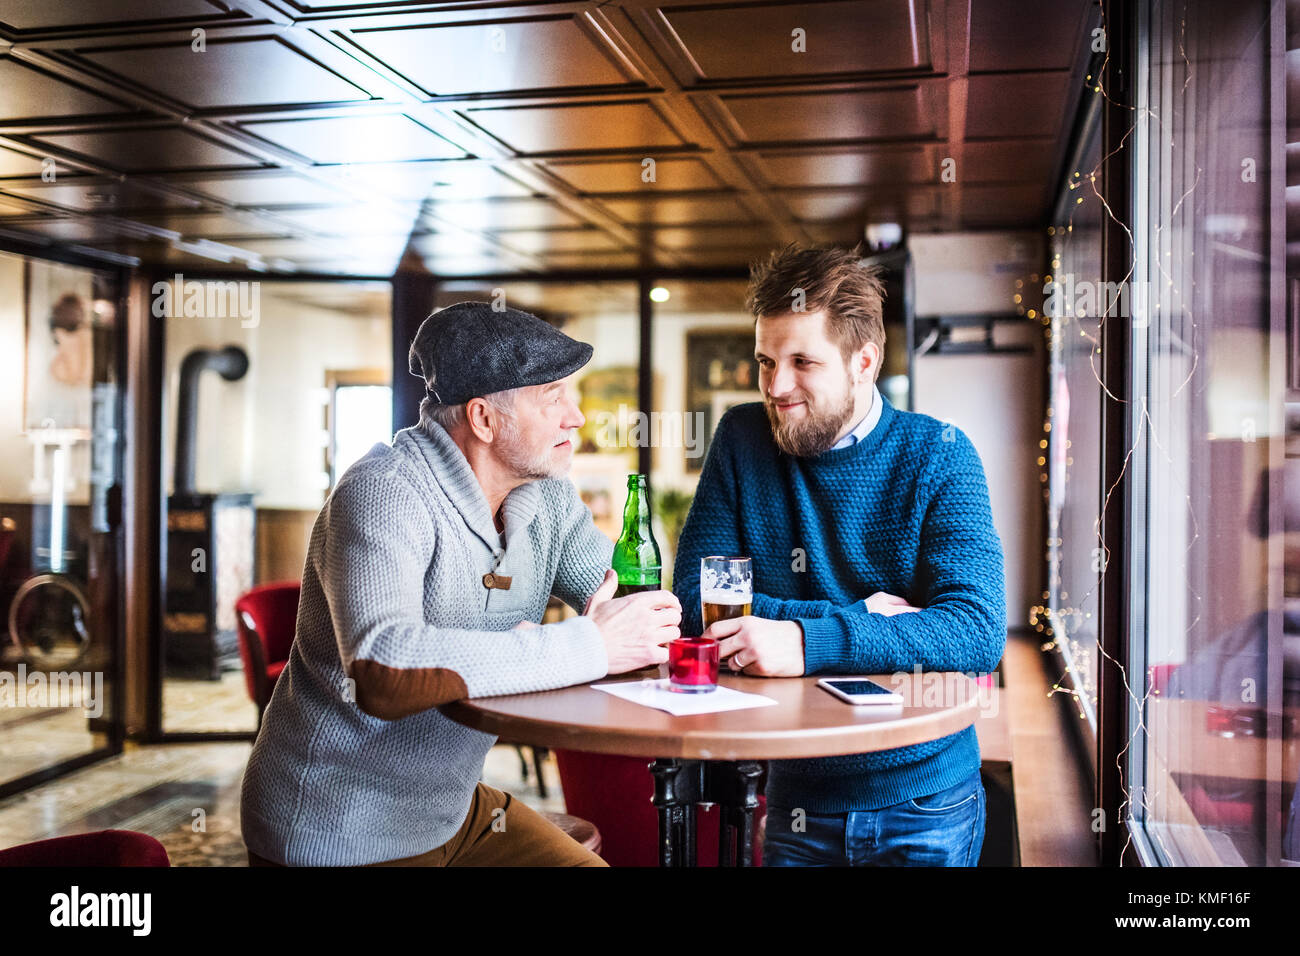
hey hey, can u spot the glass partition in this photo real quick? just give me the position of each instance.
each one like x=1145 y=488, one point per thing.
x=272 y=389
x=59 y=515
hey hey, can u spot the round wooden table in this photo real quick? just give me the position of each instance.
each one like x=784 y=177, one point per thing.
x=712 y=758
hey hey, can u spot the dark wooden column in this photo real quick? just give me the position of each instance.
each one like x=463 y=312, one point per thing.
x=413 y=295
x=645 y=378
x=1118 y=471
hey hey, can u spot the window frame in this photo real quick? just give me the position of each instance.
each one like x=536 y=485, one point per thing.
x=345 y=378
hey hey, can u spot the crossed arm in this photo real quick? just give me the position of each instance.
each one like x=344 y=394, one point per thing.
x=961 y=622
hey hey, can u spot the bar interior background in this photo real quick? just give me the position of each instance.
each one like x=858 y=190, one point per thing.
x=342 y=170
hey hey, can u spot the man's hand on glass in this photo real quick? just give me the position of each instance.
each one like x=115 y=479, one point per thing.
x=758 y=647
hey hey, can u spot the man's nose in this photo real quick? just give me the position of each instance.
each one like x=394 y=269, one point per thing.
x=574 y=418
x=782 y=382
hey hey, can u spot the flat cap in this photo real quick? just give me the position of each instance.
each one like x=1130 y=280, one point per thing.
x=470 y=349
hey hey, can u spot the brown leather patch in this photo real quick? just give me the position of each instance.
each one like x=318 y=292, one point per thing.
x=391 y=693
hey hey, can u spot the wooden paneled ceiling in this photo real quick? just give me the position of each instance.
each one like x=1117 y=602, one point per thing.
x=474 y=138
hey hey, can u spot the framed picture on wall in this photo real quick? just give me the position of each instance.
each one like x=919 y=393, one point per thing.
x=601 y=480
x=59 y=344
x=720 y=372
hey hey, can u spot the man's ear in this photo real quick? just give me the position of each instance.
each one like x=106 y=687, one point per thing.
x=481 y=419
x=865 y=362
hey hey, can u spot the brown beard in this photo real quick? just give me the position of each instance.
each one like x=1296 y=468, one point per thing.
x=812 y=436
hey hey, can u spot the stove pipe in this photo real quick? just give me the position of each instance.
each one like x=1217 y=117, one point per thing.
x=232 y=364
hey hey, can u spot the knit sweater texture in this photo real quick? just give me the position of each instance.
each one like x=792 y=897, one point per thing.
x=905 y=511
x=394 y=575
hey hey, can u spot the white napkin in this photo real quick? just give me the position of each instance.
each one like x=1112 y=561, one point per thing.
x=655 y=693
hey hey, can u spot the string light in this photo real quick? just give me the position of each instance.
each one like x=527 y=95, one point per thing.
x=1058 y=623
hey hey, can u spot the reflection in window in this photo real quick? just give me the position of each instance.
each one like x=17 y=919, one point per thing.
x=1072 y=430
x=1214 y=768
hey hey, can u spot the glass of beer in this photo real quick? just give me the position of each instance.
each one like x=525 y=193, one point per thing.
x=726 y=588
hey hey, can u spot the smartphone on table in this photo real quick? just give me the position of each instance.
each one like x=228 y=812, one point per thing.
x=859 y=690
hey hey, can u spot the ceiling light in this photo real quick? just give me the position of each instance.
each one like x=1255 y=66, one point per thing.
x=658 y=294
x=883 y=235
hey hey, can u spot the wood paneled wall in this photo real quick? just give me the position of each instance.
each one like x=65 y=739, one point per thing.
x=282 y=536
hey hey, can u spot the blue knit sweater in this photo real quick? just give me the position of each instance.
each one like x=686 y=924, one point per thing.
x=905 y=511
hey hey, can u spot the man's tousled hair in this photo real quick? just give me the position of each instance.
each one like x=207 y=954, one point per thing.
x=831 y=279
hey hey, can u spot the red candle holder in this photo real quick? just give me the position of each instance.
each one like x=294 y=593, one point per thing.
x=692 y=665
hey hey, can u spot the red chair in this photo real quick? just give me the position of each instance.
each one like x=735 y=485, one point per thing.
x=104 y=848
x=1160 y=674
x=614 y=793
x=267 y=616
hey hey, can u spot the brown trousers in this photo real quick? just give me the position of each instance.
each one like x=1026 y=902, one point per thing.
x=498 y=831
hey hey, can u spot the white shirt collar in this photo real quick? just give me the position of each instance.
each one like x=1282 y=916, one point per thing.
x=863 y=428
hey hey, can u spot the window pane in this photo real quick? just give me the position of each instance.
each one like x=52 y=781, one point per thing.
x=1216 y=767
x=1072 y=431
x=359 y=423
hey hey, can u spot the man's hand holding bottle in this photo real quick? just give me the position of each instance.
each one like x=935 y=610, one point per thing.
x=635 y=628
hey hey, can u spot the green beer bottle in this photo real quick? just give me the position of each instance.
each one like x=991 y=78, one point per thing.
x=636 y=558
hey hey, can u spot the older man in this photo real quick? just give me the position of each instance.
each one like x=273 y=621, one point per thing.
x=426 y=573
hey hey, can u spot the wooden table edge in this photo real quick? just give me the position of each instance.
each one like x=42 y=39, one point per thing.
x=733 y=745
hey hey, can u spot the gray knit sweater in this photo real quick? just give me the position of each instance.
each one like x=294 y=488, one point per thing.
x=394 y=609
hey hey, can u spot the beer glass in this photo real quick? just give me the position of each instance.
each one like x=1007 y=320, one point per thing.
x=726 y=588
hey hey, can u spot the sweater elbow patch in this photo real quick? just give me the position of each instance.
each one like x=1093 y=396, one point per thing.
x=391 y=693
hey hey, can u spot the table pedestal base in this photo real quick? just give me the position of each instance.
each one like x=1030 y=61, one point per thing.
x=681 y=784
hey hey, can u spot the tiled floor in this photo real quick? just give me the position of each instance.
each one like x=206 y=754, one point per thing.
x=40 y=726
x=187 y=795
x=35 y=737
x=208 y=705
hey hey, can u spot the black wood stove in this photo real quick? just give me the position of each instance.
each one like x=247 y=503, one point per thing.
x=211 y=543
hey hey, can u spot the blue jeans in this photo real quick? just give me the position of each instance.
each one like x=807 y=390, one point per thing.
x=941 y=829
